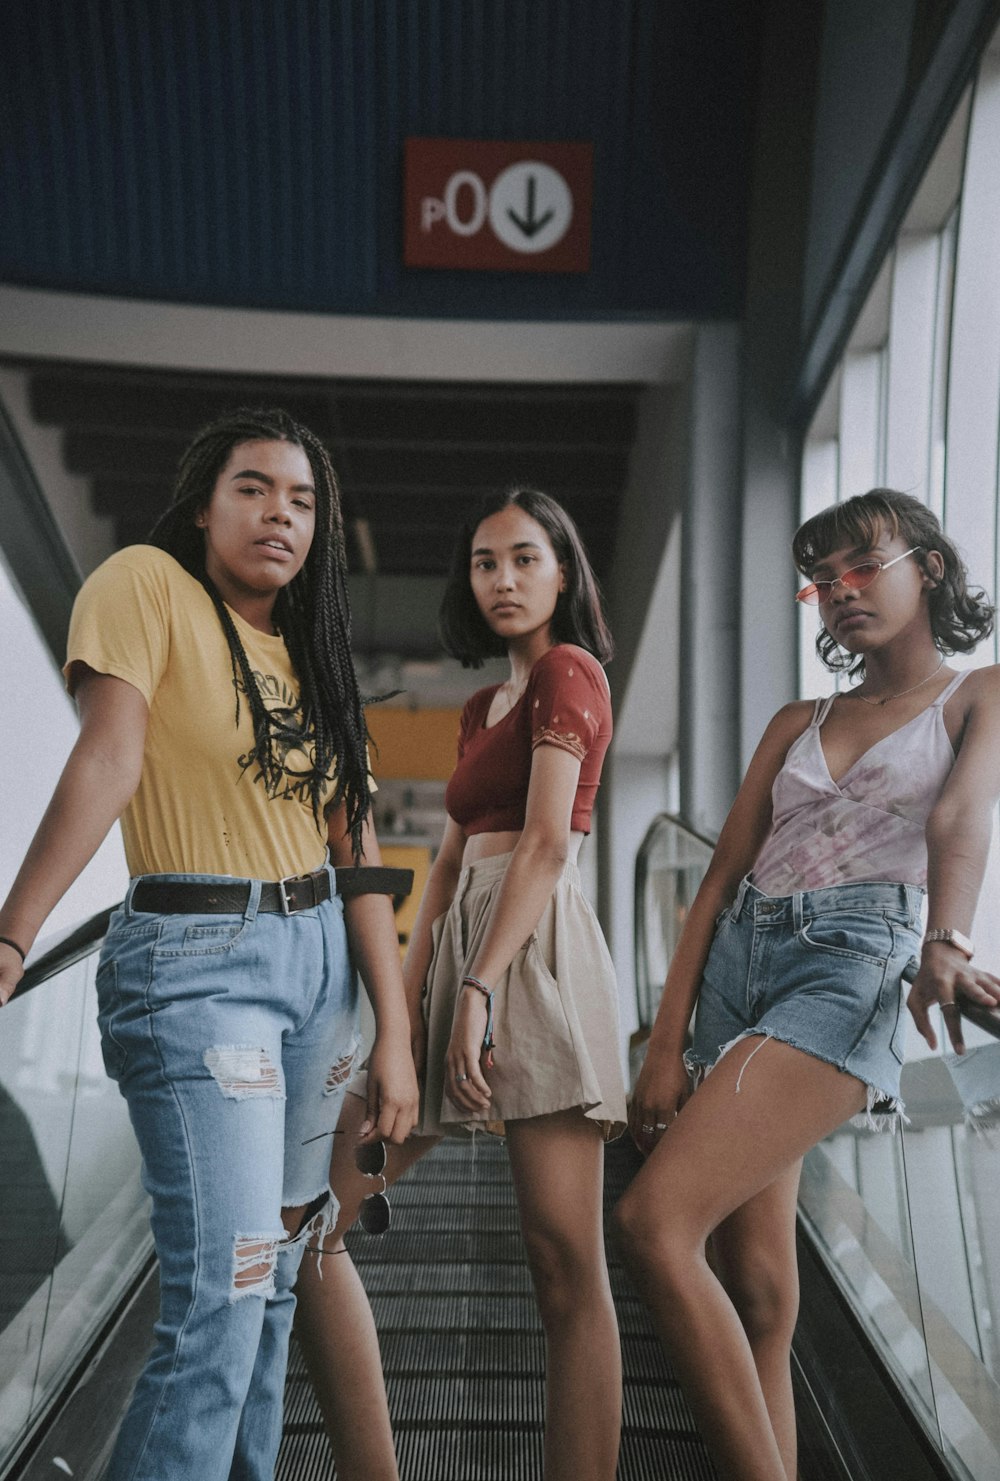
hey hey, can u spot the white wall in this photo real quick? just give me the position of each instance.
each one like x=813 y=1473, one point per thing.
x=38 y=727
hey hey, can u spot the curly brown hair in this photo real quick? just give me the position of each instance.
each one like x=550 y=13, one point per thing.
x=960 y=615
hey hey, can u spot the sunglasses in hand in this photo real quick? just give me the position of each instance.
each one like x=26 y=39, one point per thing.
x=370 y=1158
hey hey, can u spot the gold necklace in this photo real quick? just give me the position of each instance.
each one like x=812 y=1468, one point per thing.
x=885 y=698
x=511 y=697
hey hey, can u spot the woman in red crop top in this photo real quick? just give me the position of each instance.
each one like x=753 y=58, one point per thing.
x=511 y=989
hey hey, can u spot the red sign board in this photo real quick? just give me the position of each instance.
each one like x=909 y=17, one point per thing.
x=500 y=206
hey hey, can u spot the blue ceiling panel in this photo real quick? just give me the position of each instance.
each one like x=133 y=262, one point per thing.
x=249 y=152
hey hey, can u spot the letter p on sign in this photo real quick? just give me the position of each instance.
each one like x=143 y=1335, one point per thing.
x=486 y=205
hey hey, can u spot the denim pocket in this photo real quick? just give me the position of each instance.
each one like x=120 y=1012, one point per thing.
x=898 y=1041
x=108 y=1004
x=187 y=936
x=858 y=934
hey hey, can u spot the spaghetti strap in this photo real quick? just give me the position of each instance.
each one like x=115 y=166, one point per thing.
x=821 y=709
x=949 y=690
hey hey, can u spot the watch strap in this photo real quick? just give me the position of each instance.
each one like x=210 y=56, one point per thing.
x=958 y=939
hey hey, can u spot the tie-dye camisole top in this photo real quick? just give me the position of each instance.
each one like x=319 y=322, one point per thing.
x=869 y=825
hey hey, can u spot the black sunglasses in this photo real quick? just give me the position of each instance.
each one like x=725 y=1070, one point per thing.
x=370 y=1158
x=374 y=1215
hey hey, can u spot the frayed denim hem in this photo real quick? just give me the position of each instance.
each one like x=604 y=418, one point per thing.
x=317 y=1225
x=883 y=1112
x=983 y=1118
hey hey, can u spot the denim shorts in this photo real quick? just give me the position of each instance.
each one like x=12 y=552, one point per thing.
x=821 y=970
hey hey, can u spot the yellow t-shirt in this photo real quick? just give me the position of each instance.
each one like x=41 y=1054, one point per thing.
x=202 y=806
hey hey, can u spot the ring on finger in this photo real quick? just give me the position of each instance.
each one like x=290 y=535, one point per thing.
x=951 y=1006
x=646 y=1130
x=661 y=1126
x=460 y=1078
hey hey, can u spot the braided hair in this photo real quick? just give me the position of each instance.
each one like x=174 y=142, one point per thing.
x=960 y=615
x=311 y=613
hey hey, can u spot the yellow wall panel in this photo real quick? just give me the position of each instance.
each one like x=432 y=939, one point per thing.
x=408 y=856
x=413 y=745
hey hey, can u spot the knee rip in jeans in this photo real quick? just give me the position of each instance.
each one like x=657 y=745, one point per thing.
x=339 y=1072
x=253 y=1265
x=242 y=1071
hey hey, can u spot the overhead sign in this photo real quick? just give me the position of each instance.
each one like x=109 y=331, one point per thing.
x=487 y=205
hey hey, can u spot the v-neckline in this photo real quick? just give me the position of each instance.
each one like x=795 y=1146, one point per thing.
x=504 y=716
x=838 y=781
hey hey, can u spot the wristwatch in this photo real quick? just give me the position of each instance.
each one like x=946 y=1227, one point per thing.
x=953 y=938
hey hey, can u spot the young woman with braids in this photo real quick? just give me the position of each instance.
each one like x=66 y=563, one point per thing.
x=795 y=952
x=506 y=948
x=220 y=718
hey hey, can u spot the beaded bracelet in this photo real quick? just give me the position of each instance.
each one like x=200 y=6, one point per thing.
x=487 y=992
x=6 y=941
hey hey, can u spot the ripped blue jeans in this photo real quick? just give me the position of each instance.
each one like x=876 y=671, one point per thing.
x=231 y=1038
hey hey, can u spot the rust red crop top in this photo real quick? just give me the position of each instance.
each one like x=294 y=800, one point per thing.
x=565 y=703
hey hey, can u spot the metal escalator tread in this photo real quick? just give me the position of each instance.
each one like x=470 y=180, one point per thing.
x=462 y=1344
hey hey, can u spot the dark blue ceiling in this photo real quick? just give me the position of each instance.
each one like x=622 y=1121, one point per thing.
x=249 y=152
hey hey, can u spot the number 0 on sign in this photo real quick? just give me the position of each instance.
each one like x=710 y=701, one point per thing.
x=478 y=204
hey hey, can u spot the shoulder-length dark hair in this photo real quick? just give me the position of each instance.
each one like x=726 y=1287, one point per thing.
x=579 y=614
x=311 y=612
x=960 y=616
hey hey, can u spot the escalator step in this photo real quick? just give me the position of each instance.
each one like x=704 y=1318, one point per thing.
x=461 y=1340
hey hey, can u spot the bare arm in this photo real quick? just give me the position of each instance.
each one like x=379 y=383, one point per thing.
x=96 y=785
x=371 y=929
x=958 y=842
x=438 y=894
x=663 y=1083
x=535 y=866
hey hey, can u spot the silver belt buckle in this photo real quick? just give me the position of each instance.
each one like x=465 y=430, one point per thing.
x=286 y=904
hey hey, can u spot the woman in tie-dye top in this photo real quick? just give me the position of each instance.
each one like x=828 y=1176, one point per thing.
x=795 y=951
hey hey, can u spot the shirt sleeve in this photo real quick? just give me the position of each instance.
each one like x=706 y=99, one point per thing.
x=121 y=621
x=569 y=698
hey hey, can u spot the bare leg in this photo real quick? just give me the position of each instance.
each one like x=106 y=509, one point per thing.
x=558 y=1167
x=334 y=1322
x=724 y=1150
x=755 y=1259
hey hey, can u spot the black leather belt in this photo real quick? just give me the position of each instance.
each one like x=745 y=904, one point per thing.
x=283 y=896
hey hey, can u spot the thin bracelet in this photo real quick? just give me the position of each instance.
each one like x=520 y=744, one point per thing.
x=6 y=941
x=488 y=1041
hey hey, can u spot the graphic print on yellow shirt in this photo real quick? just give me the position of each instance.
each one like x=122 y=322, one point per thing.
x=203 y=805
x=292 y=747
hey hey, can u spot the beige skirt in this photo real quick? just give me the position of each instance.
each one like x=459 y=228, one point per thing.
x=555 y=1011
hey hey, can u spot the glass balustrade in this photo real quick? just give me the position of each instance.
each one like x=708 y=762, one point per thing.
x=74 y=1228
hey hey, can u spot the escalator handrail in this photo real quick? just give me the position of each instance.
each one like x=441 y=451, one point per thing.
x=639 y=875
x=677 y=822
x=988 y=1019
x=80 y=943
